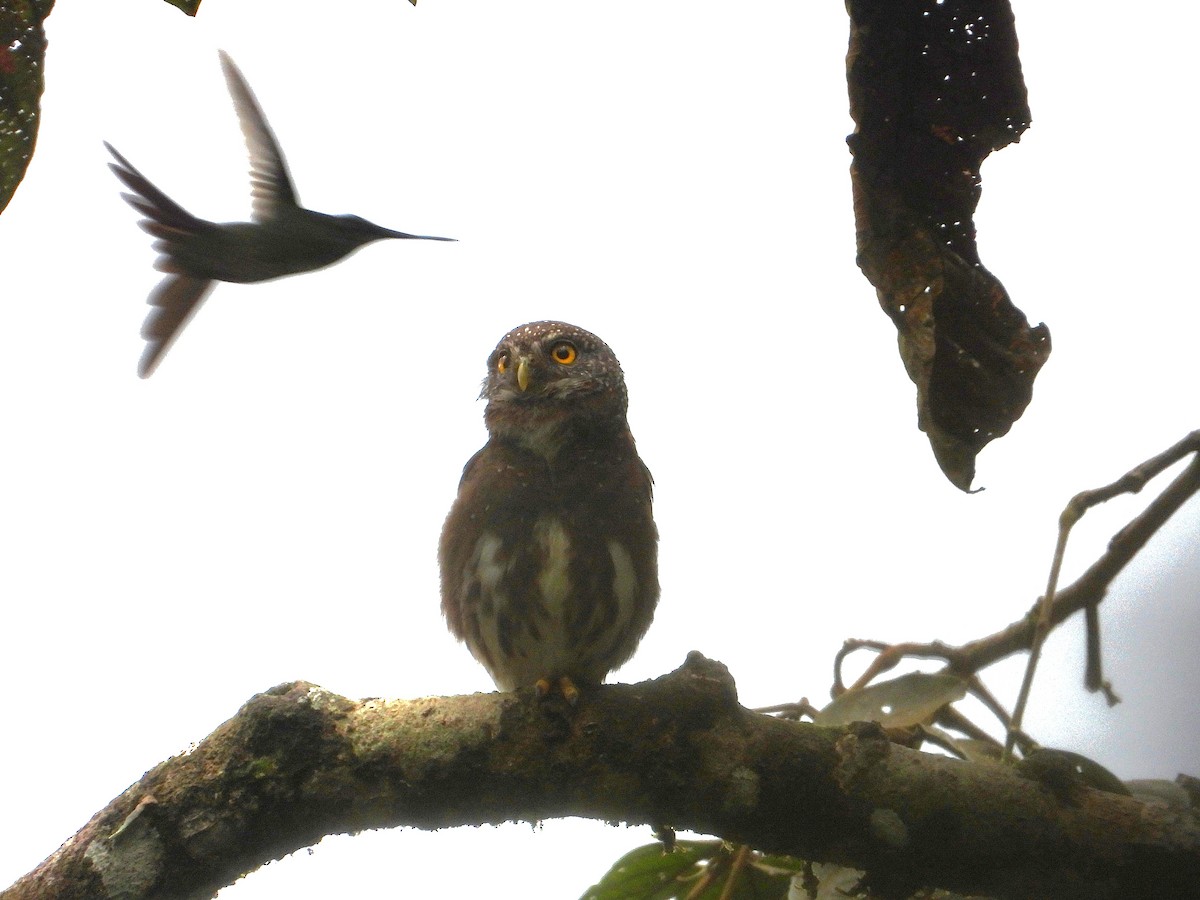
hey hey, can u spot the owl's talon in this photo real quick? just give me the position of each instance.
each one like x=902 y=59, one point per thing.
x=543 y=687
x=569 y=691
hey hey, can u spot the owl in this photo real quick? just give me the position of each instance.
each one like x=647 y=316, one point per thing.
x=549 y=556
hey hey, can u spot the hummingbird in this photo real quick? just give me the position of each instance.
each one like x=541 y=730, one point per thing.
x=282 y=238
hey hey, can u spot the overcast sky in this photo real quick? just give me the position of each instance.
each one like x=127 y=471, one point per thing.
x=670 y=175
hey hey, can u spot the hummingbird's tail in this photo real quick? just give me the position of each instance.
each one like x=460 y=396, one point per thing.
x=179 y=295
x=164 y=218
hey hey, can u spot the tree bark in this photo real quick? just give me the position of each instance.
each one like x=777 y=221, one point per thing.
x=297 y=763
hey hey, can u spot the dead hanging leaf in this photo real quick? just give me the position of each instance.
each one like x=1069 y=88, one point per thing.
x=22 y=57
x=933 y=90
x=188 y=7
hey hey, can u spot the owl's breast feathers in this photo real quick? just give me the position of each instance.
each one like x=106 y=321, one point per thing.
x=549 y=567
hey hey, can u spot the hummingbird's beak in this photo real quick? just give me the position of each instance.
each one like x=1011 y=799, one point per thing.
x=523 y=373
x=387 y=232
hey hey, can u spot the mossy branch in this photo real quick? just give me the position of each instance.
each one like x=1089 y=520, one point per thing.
x=297 y=763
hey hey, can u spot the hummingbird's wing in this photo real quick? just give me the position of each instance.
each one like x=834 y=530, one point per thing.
x=172 y=305
x=270 y=184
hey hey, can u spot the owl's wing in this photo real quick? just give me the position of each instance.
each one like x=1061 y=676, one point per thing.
x=270 y=184
x=466 y=472
x=649 y=478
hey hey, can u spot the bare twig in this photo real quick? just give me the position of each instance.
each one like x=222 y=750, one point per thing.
x=701 y=884
x=794 y=712
x=735 y=869
x=1085 y=593
x=889 y=656
x=1124 y=545
x=952 y=719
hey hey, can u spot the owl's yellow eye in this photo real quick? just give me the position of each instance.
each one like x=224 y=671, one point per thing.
x=563 y=352
x=502 y=363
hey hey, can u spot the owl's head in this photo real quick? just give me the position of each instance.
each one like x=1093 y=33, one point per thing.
x=548 y=379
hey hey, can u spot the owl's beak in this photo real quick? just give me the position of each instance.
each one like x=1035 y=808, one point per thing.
x=522 y=373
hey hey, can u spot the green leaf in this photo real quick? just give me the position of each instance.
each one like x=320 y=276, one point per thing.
x=650 y=873
x=699 y=870
x=1045 y=763
x=764 y=878
x=911 y=699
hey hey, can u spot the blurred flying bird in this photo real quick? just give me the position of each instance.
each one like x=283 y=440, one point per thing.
x=282 y=238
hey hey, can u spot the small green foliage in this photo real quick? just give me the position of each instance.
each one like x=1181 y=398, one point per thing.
x=262 y=767
x=696 y=870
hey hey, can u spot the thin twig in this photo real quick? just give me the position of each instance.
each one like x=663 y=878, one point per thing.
x=739 y=860
x=702 y=885
x=1085 y=593
x=791 y=711
x=1130 y=540
x=951 y=718
x=889 y=656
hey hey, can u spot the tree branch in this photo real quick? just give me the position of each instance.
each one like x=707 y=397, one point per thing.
x=1121 y=549
x=1092 y=586
x=297 y=763
x=1085 y=593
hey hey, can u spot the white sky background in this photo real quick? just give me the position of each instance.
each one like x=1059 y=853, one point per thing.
x=670 y=175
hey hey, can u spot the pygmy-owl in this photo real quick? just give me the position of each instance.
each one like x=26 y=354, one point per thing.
x=549 y=556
